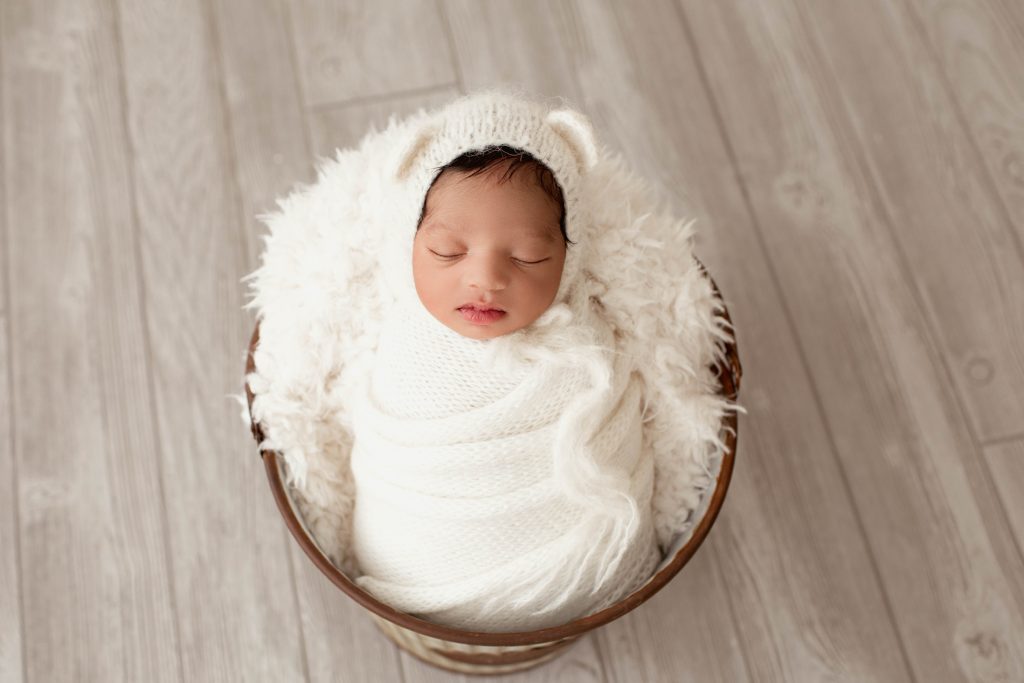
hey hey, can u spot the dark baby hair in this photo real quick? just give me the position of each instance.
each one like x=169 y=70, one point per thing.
x=478 y=161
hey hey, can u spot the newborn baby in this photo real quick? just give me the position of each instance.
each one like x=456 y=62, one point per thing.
x=500 y=479
x=479 y=340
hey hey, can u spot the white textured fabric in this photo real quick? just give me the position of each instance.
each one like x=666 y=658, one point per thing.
x=337 y=263
x=459 y=515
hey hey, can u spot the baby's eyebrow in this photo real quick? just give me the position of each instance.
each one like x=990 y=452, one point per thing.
x=540 y=233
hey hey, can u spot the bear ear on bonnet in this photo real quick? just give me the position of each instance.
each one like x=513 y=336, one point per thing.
x=412 y=145
x=578 y=134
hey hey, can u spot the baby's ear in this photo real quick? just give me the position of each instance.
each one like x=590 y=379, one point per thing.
x=411 y=145
x=578 y=134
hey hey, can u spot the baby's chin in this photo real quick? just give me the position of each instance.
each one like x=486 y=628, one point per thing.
x=467 y=329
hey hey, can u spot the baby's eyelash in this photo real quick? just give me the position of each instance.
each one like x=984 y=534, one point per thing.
x=451 y=256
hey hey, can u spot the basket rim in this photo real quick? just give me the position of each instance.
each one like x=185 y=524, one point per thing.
x=729 y=377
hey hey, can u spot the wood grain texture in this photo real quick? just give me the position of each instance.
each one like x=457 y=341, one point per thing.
x=506 y=43
x=815 y=183
x=334 y=128
x=97 y=597
x=238 y=615
x=979 y=51
x=938 y=189
x=11 y=661
x=355 y=50
x=1006 y=460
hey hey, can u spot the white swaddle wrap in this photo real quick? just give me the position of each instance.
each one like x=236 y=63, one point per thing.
x=460 y=516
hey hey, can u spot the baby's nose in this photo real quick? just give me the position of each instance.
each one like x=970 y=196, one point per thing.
x=489 y=273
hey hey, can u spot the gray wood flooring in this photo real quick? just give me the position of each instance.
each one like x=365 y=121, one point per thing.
x=858 y=172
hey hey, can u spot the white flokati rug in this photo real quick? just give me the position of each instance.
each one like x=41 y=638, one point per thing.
x=318 y=300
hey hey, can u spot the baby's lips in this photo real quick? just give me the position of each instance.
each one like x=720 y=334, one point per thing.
x=483 y=307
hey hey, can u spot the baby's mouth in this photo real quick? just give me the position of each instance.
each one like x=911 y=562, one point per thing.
x=482 y=309
x=479 y=315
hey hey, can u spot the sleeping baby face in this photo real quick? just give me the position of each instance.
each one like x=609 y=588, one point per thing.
x=488 y=242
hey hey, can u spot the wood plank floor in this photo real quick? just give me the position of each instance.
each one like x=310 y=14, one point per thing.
x=857 y=170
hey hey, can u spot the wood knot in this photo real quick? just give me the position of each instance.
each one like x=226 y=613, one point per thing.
x=980 y=371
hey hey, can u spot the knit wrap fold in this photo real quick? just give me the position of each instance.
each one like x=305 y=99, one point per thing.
x=500 y=482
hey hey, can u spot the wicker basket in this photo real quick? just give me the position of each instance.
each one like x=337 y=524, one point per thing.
x=473 y=652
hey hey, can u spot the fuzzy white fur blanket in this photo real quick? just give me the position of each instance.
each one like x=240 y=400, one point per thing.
x=321 y=313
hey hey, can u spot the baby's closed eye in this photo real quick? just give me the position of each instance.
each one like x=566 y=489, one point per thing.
x=514 y=258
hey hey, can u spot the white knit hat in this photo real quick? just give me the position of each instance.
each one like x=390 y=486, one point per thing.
x=562 y=139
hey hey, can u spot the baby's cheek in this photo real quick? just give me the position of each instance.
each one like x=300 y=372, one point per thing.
x=436 y=283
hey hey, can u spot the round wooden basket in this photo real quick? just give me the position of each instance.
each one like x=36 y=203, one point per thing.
x=473 y=652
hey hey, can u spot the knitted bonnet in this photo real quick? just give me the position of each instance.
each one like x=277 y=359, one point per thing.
x=561 y=138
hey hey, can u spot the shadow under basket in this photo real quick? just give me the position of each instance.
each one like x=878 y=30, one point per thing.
x=473 y=652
